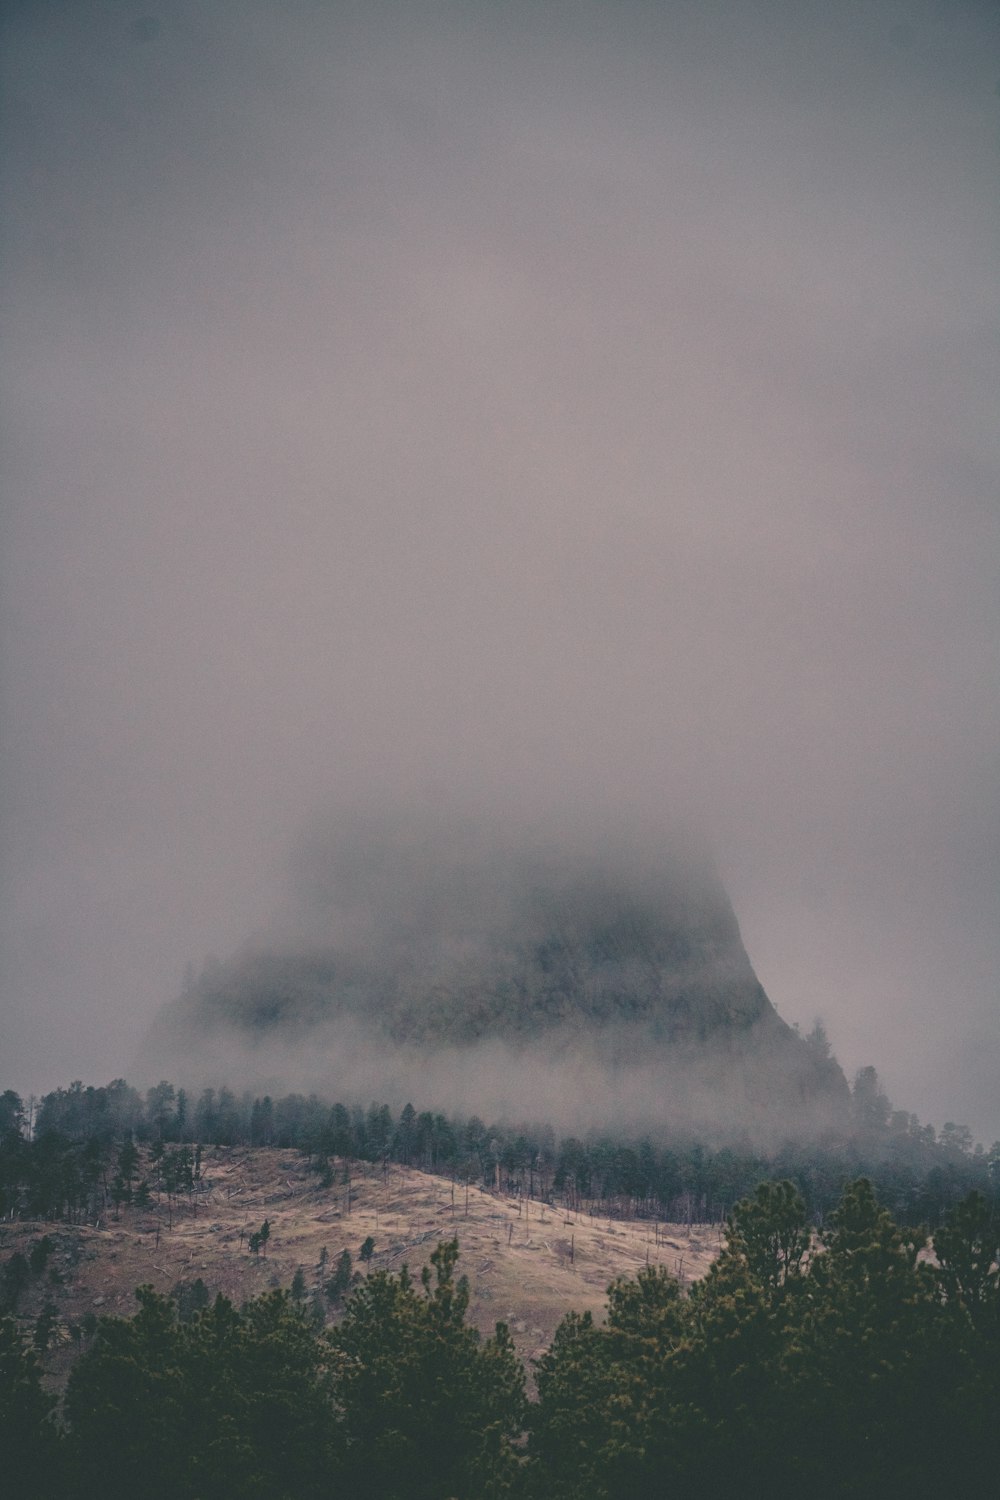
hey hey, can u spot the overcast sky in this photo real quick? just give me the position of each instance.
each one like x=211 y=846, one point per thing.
x=552 y=411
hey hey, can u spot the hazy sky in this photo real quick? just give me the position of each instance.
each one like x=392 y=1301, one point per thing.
x=555 y=411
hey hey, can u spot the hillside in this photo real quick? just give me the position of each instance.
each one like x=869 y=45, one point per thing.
x=527 y=1263
x=788 y=1348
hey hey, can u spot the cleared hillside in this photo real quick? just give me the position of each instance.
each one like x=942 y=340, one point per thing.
x=527 y=1262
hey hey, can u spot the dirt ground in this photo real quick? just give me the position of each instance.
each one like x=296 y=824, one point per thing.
x=527 y=1263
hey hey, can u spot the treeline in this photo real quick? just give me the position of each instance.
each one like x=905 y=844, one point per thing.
x=851 y=1367
x=74 y=1154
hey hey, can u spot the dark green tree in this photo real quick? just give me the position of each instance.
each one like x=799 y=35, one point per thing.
x=428 y=1411
x=29 y=1448
x=603 y=1424
x=229 y=1405
x=865 y=1356
x=967 y=1247
x=12 y=1116
x=769 y=1234
x=16 y=1276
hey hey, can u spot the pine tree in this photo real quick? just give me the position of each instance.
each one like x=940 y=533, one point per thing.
x=427 y=1410
x=28 y=1440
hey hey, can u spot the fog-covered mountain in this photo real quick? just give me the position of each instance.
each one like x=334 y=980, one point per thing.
x=566 y=984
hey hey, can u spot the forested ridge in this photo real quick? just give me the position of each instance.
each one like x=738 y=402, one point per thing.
x=83 y=1150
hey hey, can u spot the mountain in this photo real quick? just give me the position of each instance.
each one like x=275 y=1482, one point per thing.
x=443 y=970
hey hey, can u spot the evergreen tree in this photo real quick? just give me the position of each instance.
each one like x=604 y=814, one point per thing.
x=603 y=1426
x=29 y=1450
x=337 y=1285
x=427 y=1411
x=230 y=1405
x=861 y=1363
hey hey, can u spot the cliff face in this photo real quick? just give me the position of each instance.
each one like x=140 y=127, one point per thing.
x=624 y=967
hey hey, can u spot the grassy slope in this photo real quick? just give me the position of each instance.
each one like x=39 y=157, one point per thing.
x=527 y=1263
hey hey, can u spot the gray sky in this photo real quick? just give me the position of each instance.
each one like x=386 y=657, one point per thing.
x=561 y=411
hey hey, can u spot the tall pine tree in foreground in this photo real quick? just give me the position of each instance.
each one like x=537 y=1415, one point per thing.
x=428 y=1410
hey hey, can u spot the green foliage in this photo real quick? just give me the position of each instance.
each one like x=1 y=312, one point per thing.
x=838 y=1365
x=190 y=1298
x=128 y=1158
x=16 y=1276
x=39 y=1254
x=427 y=1410
x=337 y=1285
x=86 y=1113
x=602 y=1426
x=230 y=1404
x=30 y=1457
x=967 y=1247
x=12 y=1116
x=401 y=1401
x=849 y=1369
x=258 y=1240
x=771 y=1233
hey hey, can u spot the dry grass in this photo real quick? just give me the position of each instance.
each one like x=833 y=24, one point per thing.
x=527 y=1262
